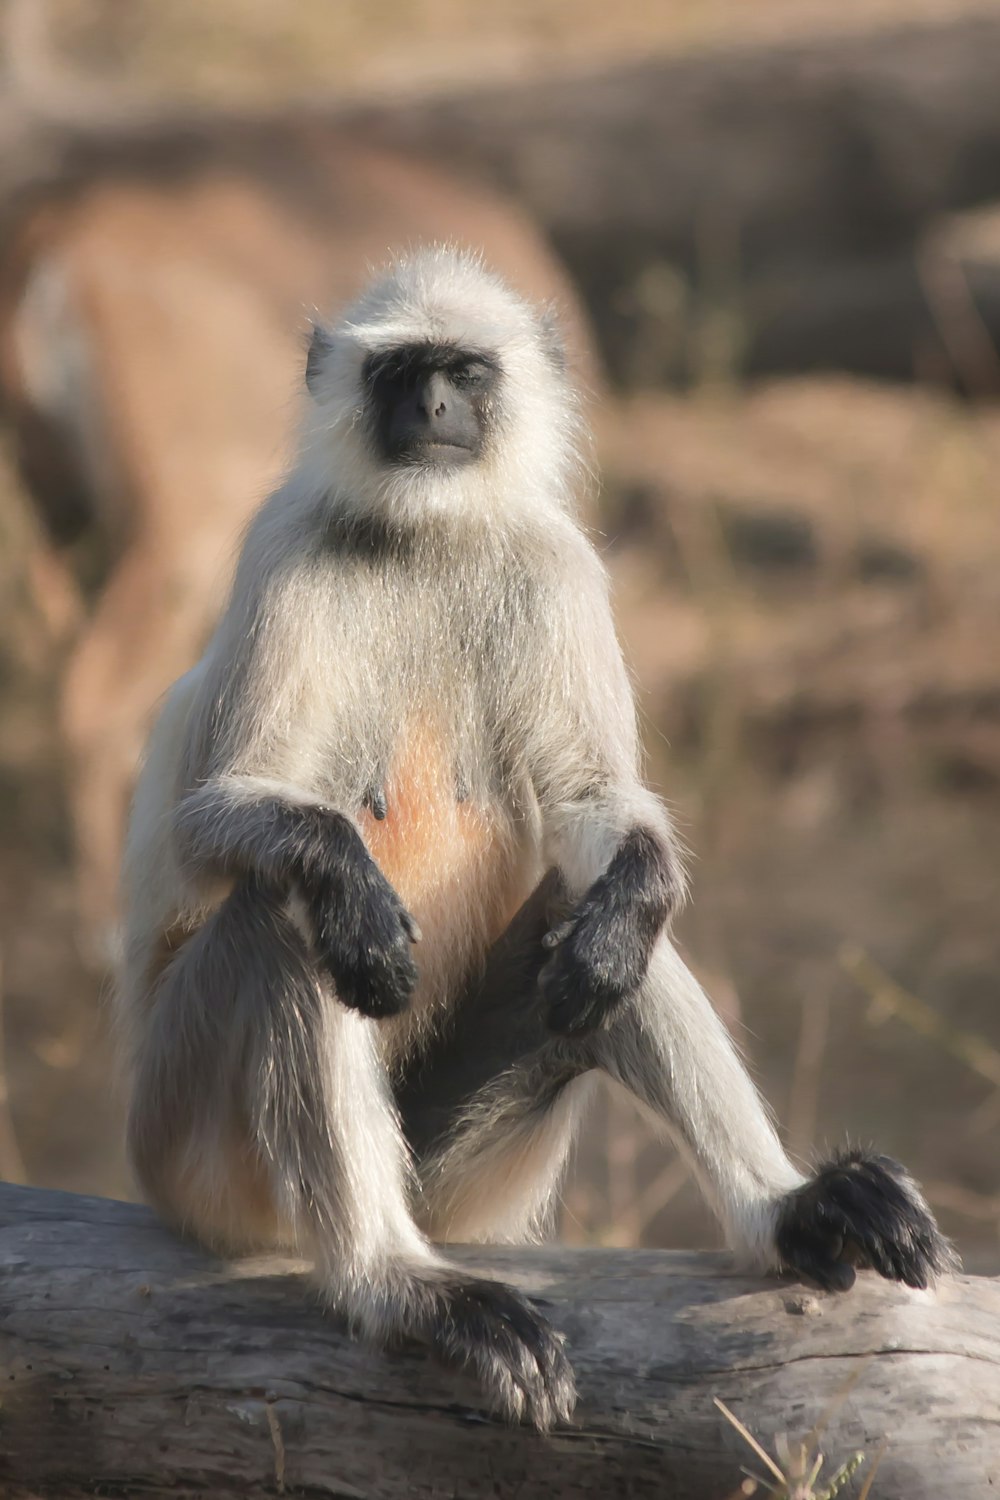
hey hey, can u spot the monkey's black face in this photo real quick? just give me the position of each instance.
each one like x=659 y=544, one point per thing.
x=430 y=403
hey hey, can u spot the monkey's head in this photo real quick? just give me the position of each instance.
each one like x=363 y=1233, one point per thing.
x=440 y=391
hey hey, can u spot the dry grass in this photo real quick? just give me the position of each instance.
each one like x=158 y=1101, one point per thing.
x=795 y=1471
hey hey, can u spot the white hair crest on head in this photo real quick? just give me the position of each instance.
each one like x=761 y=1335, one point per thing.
x=439 y=293
x=443 y=294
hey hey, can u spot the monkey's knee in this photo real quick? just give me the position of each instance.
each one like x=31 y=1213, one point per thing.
x=218 y=1190
x=222 y=1010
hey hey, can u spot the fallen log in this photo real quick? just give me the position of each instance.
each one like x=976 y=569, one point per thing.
x=131 y=1363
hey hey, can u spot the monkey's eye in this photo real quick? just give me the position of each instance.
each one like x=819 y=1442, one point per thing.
x=393 y=373
x=469 y=375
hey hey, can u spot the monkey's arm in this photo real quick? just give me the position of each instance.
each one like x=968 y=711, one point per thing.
x=665 y=1042
x=608 y=834
x=251 y=808
x=361 y=933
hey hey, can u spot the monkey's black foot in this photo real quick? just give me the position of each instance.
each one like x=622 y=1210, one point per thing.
x=492 y=1332
x=861 y=1210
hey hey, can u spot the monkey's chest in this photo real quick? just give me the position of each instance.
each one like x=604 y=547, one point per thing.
x=452 y=856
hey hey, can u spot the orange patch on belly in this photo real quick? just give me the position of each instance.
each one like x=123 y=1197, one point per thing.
x=455 y=865
x=425 y=830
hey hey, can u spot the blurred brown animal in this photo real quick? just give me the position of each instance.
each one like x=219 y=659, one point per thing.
x=153 y=301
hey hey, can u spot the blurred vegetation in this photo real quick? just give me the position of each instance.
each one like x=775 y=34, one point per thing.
x=252 y=51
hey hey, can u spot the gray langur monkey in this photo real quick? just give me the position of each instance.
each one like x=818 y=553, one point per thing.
x=396 y=892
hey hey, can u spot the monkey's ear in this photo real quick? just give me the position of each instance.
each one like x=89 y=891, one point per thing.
x=320 y=346
x=550 y=331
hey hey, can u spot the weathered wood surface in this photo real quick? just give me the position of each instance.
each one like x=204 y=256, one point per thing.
x=133 y=1364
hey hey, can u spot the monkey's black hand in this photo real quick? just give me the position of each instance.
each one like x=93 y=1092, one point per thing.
x=595 y=966
x=362 y=933
x=601 y=953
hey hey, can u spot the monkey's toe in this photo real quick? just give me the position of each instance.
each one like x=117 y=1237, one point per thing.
x=579 y=1000
x=492 y=1332
x=576 y=1016
x=861 y=1210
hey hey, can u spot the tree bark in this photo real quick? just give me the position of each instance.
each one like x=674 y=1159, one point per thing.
x=132 y=1363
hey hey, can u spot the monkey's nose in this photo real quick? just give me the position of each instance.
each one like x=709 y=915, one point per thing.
x=431 y=409
x=434 y=397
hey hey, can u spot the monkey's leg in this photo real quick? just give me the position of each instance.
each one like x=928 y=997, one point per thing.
x=490 y=1109
x=250 y=1059
x=671 y=1050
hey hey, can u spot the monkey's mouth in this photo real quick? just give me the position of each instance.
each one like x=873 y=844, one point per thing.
x=433 y=453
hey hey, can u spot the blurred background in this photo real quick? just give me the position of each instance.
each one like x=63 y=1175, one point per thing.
x=773 y=227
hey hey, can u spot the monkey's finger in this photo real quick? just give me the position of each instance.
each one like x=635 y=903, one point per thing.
x=559 y=934
x=554 y=1362
x=575 y=1010
x=378 y=996
x=831 y=1274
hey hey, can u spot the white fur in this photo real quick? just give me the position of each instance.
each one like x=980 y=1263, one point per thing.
x=439 y=294
x=485 y=649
